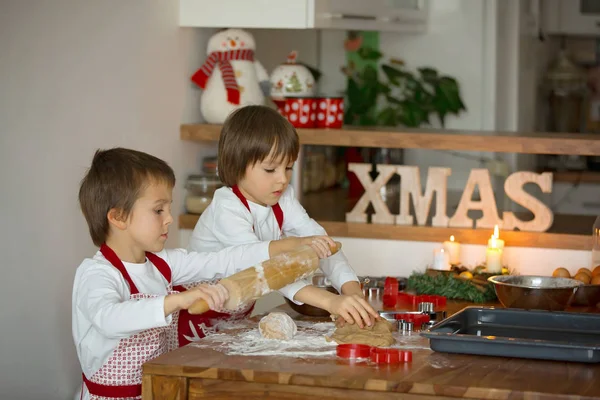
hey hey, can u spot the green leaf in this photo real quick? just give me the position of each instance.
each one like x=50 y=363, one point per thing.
x=452 y=288
x=370 y=74
x=429 y=75
x=384 y=89
x=447 y=91
x=394 y=100
x=411 y=115
x=393 y=74
x=387 y=117
x=368 y=53
x=442 y=117
x=354 y=95
x=367 y=120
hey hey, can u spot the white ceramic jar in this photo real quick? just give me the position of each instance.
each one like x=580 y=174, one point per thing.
x=292 y=79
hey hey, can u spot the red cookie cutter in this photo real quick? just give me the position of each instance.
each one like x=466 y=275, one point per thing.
x=417 y=319
x=390 y=356
x=413 y=299
x=390 y=292
x=353 y=350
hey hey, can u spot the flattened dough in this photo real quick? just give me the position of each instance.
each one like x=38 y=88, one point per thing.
x=379 y=334
x=277 y=325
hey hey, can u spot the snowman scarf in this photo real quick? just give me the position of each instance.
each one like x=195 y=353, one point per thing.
x=222 y=58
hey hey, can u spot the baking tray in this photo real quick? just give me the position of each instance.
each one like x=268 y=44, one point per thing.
x=545 y=335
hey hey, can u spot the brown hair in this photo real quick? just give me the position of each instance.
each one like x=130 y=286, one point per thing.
x=115 y=180
x=247 y=137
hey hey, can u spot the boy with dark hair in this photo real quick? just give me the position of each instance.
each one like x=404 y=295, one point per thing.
x=258 y=208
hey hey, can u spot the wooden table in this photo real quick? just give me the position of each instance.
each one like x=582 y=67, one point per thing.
x=200 y=373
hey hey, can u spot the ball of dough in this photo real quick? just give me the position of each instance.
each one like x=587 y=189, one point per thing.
x=277 y=325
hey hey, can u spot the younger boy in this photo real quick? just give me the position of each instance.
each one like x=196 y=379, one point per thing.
x=258 y=208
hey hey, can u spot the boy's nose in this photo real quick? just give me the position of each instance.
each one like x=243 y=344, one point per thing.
x=169 y=219
x=283 y=177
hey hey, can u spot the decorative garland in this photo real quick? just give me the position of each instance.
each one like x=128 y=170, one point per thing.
x=458 y=283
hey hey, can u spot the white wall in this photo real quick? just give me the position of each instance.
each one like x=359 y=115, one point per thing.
x=74 y=76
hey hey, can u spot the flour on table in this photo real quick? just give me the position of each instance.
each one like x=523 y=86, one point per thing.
x=243 y=338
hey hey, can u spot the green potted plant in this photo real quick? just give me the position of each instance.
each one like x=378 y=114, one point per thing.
x=409 y=99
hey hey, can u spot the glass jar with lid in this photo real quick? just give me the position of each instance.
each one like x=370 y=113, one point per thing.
x=200 y=191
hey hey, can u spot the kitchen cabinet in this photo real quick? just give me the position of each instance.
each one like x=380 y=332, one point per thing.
x=378 y=15
x=572 y=17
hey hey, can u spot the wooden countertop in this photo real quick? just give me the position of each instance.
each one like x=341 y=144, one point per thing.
x=194 y=373
x=501 y=142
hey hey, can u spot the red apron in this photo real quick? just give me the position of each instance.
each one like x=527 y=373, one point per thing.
x=195 y=327
x=121 y=375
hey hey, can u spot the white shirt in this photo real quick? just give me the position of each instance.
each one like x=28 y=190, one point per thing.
x=227 y=222
x=102 y=313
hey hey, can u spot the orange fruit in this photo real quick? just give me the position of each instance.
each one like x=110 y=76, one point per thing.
x=561 y=273
x=585 y=271
x=583 y=277
x=596 y=271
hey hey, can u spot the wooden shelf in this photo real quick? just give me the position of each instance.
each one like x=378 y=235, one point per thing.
x=503 y=142
x=431 y=234
x=576 y=177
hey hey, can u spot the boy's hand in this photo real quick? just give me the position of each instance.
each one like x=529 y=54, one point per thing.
x=353 y=309
x=322 y=245
x=214 y=295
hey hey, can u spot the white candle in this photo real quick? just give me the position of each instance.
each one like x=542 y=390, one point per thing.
x=453 y=249
x=499 y=242
x=493 y=258
x=441 y=260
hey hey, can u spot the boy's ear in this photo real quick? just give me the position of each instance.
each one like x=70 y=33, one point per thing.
x=117 y=218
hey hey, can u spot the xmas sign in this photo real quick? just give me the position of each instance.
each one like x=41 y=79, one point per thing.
x=437 y=182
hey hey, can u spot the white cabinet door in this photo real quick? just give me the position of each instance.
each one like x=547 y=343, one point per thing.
x=378 y=15
x=572 y=17
x=288 y=14
x=580 y=17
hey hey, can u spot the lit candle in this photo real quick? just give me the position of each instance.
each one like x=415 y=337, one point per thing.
x=493 y=258
x=499 y=242
x=453 y=249
x=441 y=260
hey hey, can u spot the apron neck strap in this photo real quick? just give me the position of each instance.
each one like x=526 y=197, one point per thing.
x=158 y=262
x=276 y=207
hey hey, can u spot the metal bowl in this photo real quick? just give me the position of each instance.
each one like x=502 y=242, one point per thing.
x=319 y=281
x=587 y=295
x=535 y=292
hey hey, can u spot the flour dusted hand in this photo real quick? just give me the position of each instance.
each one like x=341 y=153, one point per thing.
x=277 y=325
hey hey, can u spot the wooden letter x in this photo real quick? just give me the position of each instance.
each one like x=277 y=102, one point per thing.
x=382 y=213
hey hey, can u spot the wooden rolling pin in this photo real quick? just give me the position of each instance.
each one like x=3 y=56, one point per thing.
x=272 y=274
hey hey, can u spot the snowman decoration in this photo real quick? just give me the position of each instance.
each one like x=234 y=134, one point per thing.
x=231 y=77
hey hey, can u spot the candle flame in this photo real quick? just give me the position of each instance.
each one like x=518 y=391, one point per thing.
x=452 y=238
x=496 y=233
x=494 y=244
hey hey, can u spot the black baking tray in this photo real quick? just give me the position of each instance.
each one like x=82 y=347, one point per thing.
x=545 y=335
